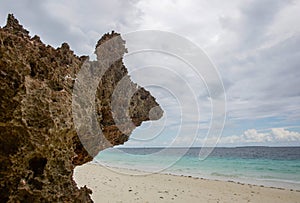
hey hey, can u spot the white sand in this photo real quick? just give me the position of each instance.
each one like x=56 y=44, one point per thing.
x=110 y=186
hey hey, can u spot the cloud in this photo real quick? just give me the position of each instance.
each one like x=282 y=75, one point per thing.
x=280 y=134
x=76 y=22
x=275 y=136
x=254 y=44
x=261 y=62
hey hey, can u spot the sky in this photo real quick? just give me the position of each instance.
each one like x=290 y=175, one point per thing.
x=253 y=44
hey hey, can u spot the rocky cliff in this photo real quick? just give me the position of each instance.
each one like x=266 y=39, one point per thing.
x=39 y=142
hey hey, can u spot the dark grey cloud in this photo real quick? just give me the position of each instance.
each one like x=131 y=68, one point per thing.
x=80 y=23
x=261 y=60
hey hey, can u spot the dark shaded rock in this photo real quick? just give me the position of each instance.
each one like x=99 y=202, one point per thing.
x=39 y=145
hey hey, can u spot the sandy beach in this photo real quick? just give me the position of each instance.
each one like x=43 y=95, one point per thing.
x=111 y=186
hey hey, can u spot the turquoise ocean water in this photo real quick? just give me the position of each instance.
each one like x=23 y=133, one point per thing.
x=268 y=166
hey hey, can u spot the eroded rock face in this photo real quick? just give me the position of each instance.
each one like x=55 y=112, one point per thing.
x=39 y=145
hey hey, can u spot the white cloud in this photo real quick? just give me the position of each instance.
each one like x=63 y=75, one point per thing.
x=280 y=134
x=252 y=136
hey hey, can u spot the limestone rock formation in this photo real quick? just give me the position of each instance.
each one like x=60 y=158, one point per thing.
x=39 y=142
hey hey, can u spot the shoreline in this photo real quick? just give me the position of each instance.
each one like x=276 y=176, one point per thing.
x=268 y=183
x=111 y=186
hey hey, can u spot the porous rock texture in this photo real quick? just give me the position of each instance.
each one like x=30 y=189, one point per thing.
x=39 y=143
